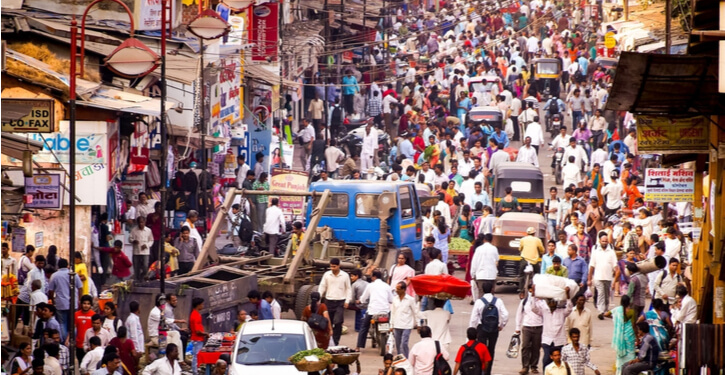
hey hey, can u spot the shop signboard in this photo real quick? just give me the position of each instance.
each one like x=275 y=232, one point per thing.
x=46 y=191
x=664 y=185
x=91 y=143
x=263 y=31
x=223 y=95
x=148 y=14
x=290 y=180
x=28 y=115
x=665 y=135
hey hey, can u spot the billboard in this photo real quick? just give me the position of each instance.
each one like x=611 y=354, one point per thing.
x=263 y=31
x=665 y=135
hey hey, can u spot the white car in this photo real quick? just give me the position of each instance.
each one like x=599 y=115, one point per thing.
x=263 y=347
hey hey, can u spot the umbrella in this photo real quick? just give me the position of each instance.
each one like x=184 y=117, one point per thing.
x=440 y=286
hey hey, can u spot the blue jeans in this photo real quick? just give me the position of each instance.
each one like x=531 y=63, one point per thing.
x=551 y=228
x=196 y=348
x=575 y=116
x=62 y=317
x=359 y=316
x=401 y=341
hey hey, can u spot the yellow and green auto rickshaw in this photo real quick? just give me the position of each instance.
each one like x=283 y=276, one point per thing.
x=526 y=182
x=547 y=77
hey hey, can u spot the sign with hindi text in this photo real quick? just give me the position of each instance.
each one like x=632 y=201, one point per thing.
x=664 y=185
x=46 y=191
x=665 y=135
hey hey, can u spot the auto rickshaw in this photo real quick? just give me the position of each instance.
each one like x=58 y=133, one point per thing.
x=507 y=233
x=547 y=77
x=527 y=183
x=486 y=117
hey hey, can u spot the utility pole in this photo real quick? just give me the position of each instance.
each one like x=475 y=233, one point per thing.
x=626 y=10
x=668 y=26
x=166 y=29
x=385 y=42
x=325 y=77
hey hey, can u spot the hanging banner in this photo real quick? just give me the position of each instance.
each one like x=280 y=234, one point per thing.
x=28 y=115
x=263 y=31
x=46 y=191
x=669 y=185
x=665 y=135
x=91 y=143
x=287 y=179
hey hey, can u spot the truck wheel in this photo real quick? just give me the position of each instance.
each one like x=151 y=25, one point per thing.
x=303 y=299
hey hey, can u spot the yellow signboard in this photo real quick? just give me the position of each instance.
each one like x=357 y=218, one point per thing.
x=665 y=135
x=28 y=115
x=609 y=40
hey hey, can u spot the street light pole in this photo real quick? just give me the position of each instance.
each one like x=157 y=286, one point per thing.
x=166 y=26
x=72 y=206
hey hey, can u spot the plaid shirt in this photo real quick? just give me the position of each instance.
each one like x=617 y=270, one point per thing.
x=63 y=356
x=375 y=105
x=577 y=360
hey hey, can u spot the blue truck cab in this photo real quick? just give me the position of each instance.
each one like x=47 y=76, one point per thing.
x=353 y=213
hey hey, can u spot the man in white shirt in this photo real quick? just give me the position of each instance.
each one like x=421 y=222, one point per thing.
x=274 y=225
x=369 y=147
x=484 y=265
x=9 y=265
x=478 y=195
x=443 y=208
x=561 y=139
x=404 y=317
x=142 y=240
x=580 y=155
x=609 y=167
x=169 y=365
x=536 y=133
x=570 y=173
x=378 y=298
x=333 y=156
x=600 y=155
x=427 y=172
x=553 y=316
x=528 y=154
x=439 y=177
x=154 y=319
x=144 y=207
x=488 y=336
x=336 y=289
x=307 y=134
x=92 y=357
x=612 y=193
x=435 y=266
x=133 y=325
x=602 y=266
x=685 y=309
x=529 y=325
x=498 y=157
x=422 y=355
x=242 y=169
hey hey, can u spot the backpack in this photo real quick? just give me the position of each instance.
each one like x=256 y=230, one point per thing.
x=440 y=365
x=470 y=360
x=246 y=229
x=554 y=107
x=489 y=317
x=336 y=118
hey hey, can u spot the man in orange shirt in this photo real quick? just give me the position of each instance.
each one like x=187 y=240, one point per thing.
x=83 y=322
x=197 y=331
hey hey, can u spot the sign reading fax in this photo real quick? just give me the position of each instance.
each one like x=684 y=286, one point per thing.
x=28 y=115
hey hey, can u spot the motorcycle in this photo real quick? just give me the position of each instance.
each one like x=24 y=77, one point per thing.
x=258 y=245
x=352 y=142
x=553 y=124
x=379 y=331
x=558 y=156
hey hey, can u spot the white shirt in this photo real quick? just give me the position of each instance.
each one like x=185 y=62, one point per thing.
x=386 y=103
x=604 y=263
x=405 y=313
x=607 y=170
x=274 y=223
x=580 y=156
x=599 y=156
x=438 y=321
x=378 y=297
x=145 y=209
x=276 y=309
x=307 y=133
x=503 y=314
x=687 y=313
x=370 y=143
x=534 y=131
x=422 y=356
x=553 y=321
x=9 y=265
x=525 y=317
x=484 y=265
x=436 y=267
x=429 y=176
x=162 y=366
x=332 y=155
x=145 y=240
x=497 y=158
x=528 y=155
x=532 y=44
x=672 y=248
x=445 y=210
x=153 y=322
x=242 y=174
x=91 y=359
x=135 y=331
x=336 y=287
x=560 y=141
x=613 y=194
x=570 y=174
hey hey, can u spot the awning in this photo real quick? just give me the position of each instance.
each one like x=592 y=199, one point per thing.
x=186 y=136
x=14 y=145
x=353 y=10
x=257 y=72
x=117 y=100
x=666 y=84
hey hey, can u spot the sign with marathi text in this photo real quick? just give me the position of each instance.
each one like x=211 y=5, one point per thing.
x=28 y=115
x=669 y=185
x=287 y=179
x=665 y=135
x=46 y=191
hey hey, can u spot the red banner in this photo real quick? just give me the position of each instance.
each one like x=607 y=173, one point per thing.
x=263 y=31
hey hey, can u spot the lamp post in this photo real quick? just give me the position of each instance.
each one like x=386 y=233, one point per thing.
x=208 y=25
x=130 y=59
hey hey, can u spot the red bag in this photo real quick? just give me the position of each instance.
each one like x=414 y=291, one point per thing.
x=435 y=285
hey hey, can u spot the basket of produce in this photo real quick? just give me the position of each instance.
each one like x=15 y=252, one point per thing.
x=343 y=355
x=440 y=286
x=311 y=360
x=459 y=246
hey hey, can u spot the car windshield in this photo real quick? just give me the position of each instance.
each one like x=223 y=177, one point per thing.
x=547 y=68
x=269 y=348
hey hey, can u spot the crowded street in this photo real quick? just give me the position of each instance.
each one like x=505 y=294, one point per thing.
x=361 y=187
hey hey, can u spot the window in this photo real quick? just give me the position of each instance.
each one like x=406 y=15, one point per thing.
x=547 y=68
x=406 y=202
x=338 y=205
x=366 y=205
x=520 y=186
x=269 y=348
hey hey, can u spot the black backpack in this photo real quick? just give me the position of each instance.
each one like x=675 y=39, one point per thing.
x=336 y=118
x=554 y=107
x=246 y=229
x=470 y=360
x=440 y=365
x=489 y=316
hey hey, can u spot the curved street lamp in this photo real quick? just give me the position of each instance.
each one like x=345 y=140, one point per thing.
x=131 y=59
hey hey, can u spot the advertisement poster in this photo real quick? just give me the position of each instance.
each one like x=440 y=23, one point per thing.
x=91 y=184
x=669 y=185
x=287 y=179
x=665 y=135
x=263 y=30
x=91 y=143
x=28 y=115
x=46 y=191
x=281 y=158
